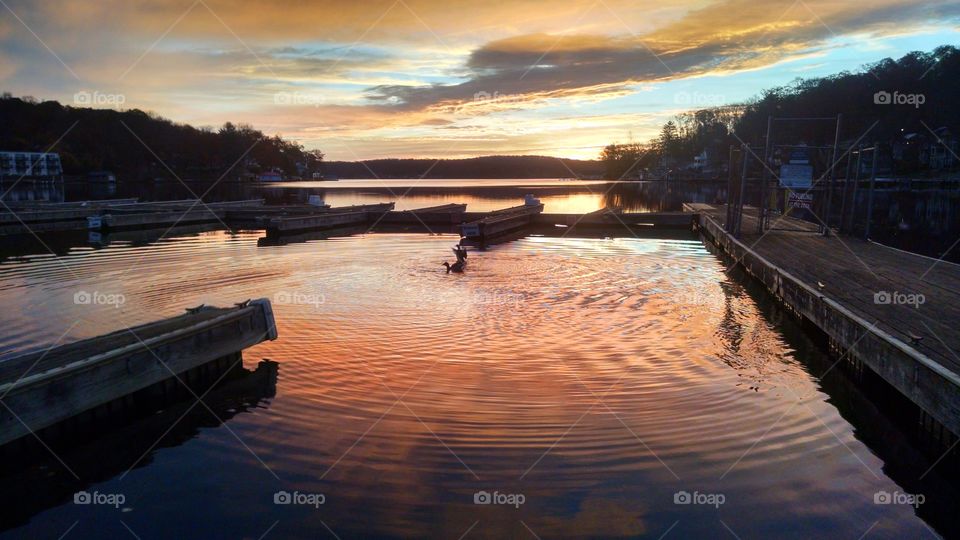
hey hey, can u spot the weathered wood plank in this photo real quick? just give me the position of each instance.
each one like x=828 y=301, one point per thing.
x=46 y=387
x=831 y=281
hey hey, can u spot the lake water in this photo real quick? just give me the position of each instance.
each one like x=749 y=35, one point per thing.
x=599 y=382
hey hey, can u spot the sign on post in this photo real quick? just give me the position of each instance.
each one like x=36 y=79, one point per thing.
x=794 y=175
x=800 y=201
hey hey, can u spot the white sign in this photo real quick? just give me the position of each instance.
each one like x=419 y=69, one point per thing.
x=800 y=200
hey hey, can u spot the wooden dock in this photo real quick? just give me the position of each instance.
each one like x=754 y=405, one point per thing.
x=344 y=216
x=445 y=214
x=613 y=218
x=22 y=218
x=865 y=297
x=46 y=387
x=498 y=224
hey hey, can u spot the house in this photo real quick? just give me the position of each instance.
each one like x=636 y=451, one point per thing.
x=272 y=175
x=38 y=165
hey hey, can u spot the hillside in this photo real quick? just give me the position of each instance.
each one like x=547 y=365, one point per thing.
x=480 y=167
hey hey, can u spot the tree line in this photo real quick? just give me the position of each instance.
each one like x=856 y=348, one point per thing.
x=138 y=145
x=881 y=102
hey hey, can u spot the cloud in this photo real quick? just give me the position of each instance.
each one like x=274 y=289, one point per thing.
x=724 y=37
x=385 y=75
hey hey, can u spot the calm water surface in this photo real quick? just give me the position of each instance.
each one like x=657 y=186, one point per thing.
x=597 y=378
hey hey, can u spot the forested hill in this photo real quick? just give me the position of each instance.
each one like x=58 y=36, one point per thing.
x=480 y=167
x=138 y=145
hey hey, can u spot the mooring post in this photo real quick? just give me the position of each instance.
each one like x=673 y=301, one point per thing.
x=830 y=178
x=856 y=191
x=745 y=158
x=762 y=207
x=873 y=177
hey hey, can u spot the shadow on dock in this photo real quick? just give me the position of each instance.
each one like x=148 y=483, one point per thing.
x=118 y=437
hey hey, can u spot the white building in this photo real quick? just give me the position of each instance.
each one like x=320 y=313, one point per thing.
x=30 y=164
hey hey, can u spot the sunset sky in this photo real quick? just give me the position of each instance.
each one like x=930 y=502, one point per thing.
x=427 y=78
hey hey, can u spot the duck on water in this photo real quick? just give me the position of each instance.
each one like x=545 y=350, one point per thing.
x=457 y=267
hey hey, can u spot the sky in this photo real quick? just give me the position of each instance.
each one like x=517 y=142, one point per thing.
x=443 y=79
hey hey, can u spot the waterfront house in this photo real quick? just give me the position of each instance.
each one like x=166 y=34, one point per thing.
x=34 y=165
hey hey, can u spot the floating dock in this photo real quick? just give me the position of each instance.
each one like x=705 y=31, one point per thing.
x=889 y=310
x=612 y=218
x=498 y=224
x=44 y=388
x=445 y=214
x=345 y=216
x=20 y=218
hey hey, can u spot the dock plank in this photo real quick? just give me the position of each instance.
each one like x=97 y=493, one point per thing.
x=853 y=271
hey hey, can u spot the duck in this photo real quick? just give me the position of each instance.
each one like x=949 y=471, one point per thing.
x=455 y=267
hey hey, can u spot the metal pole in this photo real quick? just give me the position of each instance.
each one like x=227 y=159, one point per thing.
x=762 y=207
x=846 y=188
x=833 y=158
x=728 y=224
x=745 y=158
x=856 y=191
x=873 y=177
